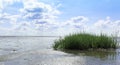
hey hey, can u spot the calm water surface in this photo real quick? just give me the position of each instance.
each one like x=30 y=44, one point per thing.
x=38 y=51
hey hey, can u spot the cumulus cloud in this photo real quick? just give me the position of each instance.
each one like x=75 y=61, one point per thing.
x=81 y=23
x=39 y=10
x=78 y=22
x=42 y=15
x=33 y=16
x=107 y=26
x=1 y=5
x=103 y=23
x=73 y=25
x=5 y=3
x=6 y=18
x=38 y=18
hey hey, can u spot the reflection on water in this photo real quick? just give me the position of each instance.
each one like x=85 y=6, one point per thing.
x=107 y=57
x=104 y=55
x=38 y=51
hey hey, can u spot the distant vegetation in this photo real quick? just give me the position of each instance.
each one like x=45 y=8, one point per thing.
x=85 y=41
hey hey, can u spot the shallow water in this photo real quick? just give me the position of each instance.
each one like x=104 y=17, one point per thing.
x=38 y=51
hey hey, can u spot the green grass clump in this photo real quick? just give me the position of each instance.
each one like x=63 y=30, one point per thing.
x=85 y=41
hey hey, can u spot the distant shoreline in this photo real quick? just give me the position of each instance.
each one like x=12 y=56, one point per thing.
x=36 y=36
x=30 y=36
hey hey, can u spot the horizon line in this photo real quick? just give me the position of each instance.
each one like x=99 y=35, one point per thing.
x=29 y=36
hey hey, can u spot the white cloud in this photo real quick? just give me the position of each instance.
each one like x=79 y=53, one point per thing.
x=78 y=22
x=23 y=26
x=73 y=25
x=34 y=16
x=5 y=3
x=6 y=18
x=42 y=15
x=81 y=23
x=106 y=26
x=40 y=9
x=1 y=6
x=103 y=23
x=38 y=18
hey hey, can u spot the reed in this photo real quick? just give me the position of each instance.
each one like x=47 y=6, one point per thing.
x=85 y=41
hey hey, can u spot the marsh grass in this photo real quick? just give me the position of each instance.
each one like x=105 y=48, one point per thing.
x=85 y=41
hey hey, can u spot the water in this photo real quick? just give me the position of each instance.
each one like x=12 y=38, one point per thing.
x=38 y=51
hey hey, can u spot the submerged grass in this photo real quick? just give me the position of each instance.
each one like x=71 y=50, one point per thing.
x=85 y=41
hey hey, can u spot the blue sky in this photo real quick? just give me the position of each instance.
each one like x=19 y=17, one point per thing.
x=54 y=17
x=91 y=8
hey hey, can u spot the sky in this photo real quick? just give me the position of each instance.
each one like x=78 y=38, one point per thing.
x=59 y=17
